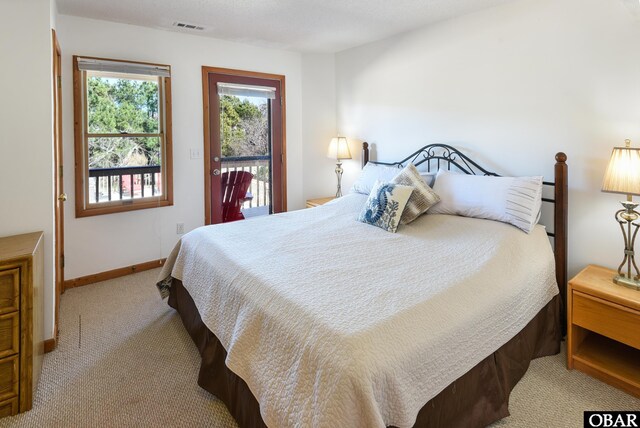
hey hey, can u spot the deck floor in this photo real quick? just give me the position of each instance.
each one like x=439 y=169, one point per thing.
x=255 y=211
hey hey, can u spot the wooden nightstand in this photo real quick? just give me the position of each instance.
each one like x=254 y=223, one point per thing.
x=319 y=201
x=603 y=335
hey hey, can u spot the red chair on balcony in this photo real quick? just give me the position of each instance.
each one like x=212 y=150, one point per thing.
x=234 y=190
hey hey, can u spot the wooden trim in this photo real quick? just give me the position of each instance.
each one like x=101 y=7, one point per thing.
x=58 y=164
x=78 y=140
x=207 y=130
x=109 y=209
x=114 y=273
x=283 y=113
x=207 y=146
x=168 y=142
x=50 y=344
x=82 y=208
x=243 y=73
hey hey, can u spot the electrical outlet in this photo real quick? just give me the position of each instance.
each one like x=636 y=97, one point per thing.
x=195 y=154
x=180 y=228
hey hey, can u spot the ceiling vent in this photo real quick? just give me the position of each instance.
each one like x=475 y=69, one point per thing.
x=188 y=26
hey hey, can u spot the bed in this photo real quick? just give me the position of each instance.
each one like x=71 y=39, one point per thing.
x=310 y=318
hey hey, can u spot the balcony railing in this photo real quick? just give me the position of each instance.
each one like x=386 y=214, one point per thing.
x=260 y=192
x=130 y=182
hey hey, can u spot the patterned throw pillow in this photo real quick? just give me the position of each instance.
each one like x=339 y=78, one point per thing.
x=385 y=205
x=422 y=197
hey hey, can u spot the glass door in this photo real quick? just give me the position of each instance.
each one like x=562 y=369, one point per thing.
x=246 y=147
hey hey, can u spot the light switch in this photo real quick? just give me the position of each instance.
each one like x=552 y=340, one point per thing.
x=196 y=154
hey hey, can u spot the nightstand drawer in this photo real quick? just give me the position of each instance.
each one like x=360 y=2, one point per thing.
x=9 y=290
x=608 y=319
x=9 y=377
x=9 y=334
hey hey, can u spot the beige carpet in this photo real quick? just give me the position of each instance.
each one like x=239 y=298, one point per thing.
x=124 y=359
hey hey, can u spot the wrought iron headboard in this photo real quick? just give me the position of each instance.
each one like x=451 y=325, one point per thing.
x=438 y=154
x=443 y=155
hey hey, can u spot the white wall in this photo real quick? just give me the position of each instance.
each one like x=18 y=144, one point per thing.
x=512 y=86
x=100 y=243
x=318 y=124
x=26 y=136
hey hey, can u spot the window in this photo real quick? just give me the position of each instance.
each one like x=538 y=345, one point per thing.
x=122 y=135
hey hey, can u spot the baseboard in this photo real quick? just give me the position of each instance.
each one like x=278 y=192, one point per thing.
x=50 y=345
x=111 y=274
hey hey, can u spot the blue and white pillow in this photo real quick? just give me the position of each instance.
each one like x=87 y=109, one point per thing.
x=385 y=205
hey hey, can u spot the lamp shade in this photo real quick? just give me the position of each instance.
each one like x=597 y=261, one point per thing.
x=339 y=149
x=623 y=172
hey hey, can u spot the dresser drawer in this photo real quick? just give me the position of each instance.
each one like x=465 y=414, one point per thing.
x=9 y=290
x=9 y=377
x=9 y=407
x=606 y=318
x=9 y=334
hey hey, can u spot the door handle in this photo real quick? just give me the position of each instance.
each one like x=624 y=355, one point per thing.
x=62 y=197
x=216 y=171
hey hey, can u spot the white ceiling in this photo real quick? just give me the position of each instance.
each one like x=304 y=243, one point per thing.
x=299 y=25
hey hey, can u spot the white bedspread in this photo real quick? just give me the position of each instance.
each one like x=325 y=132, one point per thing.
x=335 y=323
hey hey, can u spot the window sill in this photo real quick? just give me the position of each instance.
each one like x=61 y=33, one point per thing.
x=112 y=209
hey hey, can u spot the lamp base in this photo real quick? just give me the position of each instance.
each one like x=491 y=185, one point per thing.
x=627 y=282
x=627 y=217
x=339 y=175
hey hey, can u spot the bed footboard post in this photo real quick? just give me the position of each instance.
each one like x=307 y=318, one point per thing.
x=561 y=232
x=365 y=153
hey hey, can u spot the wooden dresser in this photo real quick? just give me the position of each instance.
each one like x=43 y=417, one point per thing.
x=21 y=320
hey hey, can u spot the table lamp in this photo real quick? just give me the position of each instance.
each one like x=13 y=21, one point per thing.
x=623 y=176
x=339 y=149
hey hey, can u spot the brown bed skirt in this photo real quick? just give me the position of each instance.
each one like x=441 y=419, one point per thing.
x=476 y=399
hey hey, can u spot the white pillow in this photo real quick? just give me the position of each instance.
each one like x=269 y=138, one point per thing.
x=372 y=173
x=513 y=200
x=428 y=177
